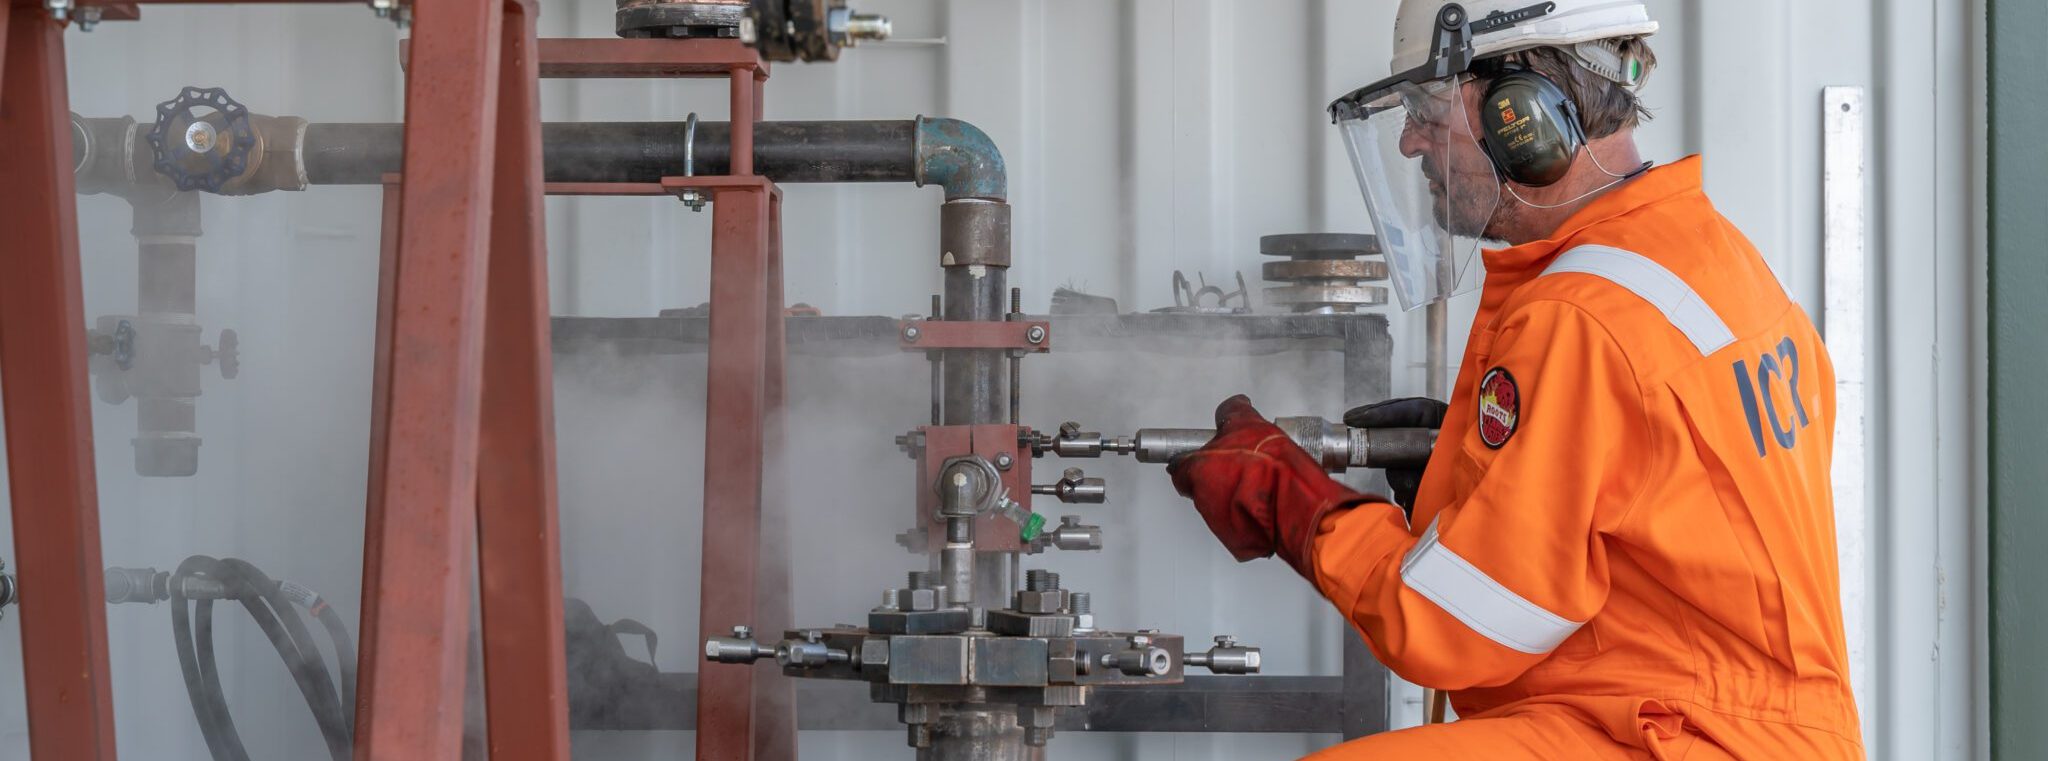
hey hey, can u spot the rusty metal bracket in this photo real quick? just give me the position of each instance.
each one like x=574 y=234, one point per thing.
x=936 y=335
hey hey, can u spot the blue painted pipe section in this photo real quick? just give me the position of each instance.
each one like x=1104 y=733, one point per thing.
x=961 y=158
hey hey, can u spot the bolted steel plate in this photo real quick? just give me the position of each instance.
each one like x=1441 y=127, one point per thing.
x=929 y=660
x=1320 y=245
x=1326 y=269
x=1326 y=295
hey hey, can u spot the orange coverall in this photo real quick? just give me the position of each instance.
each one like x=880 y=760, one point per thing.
x=1624 y=546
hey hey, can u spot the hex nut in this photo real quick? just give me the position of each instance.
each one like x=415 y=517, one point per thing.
x=1042 y=603
x=947 y=621
x=918 y=599
x=874 y=653
x=1014 y=624
x=1036 y=716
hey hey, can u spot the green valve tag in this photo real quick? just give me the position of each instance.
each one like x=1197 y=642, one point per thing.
x=1032 y=526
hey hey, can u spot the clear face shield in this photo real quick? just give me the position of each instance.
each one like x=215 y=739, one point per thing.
x=1429 y=187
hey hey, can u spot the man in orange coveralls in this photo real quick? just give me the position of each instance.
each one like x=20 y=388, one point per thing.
x=1623 y=545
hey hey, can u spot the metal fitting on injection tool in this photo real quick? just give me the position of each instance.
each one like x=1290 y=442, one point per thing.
x=739 y=648
x=1140 y=659
x=1070 y=535
x=1075 y=488
x=1227 y=657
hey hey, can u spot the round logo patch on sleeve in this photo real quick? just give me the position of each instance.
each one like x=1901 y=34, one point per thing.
x=1500 y=407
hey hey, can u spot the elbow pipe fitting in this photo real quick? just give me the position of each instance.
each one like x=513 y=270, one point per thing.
x=961 y=158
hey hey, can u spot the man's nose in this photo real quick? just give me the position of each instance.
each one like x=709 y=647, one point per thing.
x=1413 y=143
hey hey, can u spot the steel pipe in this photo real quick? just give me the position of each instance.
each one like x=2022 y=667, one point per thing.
x=949 y=153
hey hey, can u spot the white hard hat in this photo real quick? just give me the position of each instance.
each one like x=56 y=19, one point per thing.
x=1561 y=23
x=1429 y=209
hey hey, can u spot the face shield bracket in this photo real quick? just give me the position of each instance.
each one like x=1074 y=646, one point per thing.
x=1451 y=56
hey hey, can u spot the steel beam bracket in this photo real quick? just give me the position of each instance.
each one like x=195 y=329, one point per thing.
x=936 y=335
x=998 y=444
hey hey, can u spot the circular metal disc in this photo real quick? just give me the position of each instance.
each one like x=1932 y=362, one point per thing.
x=1323 y=295
x=1326 y=269
x=672 y=18
x=1319 y=245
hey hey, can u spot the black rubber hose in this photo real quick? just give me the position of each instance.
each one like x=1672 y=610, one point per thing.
x=344 y=655
x=208 y=707
x=274 y=615
x=210 y=687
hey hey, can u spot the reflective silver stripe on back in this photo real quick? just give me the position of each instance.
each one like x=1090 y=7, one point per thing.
x=1655 y=284
x=1482 y=604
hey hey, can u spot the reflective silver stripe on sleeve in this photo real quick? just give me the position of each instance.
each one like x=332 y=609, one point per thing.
x=1655 y=284
x=1482 y=604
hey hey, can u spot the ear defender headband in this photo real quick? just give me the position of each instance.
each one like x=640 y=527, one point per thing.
x=1529 y=127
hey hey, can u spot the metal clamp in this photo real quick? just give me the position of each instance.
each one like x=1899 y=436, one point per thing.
x=692 y=197
x=934 y=335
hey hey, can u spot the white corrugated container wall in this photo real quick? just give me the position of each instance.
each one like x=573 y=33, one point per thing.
x=1143 y=137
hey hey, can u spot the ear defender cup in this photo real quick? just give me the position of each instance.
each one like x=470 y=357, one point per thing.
x=1530 y=128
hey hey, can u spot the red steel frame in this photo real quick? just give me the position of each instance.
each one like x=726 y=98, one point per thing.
x=48 y=410
x=461 y=433
x=742 y=713
x=437 y=427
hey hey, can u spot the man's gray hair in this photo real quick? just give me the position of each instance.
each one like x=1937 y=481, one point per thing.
x=1606 y=105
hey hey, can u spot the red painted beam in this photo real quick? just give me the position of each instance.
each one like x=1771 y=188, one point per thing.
x=46 y=403
x=600 y=58
x=735 y=407
x=606 y=189
x=380 y=443
x=774 y=694
x=520 y=554
x=416 y=594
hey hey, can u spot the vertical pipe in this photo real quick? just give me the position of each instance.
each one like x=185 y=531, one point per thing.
x=958 y=486
x=414 y=680
x=165 y=378
x=45 y=402
x=974 y=244
x=956 y=562
x=519 y=552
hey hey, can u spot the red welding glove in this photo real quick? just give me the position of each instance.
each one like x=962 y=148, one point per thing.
x=1258 y=491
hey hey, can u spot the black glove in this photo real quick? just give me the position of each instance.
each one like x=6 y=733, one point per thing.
x=1412 y=412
